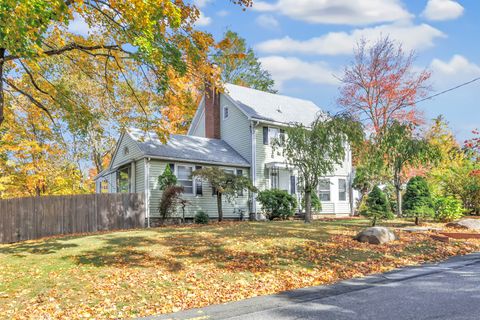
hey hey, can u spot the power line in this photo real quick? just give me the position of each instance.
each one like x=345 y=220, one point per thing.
x=447 y=90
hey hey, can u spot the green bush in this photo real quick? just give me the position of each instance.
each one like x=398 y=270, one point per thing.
x=166 y=179
x=201 y=218
x=277 y=203
x=316 y=204
x=417 y=201
x=377 y=206
x=448 y=209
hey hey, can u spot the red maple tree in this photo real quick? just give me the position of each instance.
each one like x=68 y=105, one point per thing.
x=380 y=85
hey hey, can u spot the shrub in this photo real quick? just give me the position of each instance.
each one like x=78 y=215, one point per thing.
x=169 y=201
x=167 y=179
x=377 y=206
x=277 y=203
x=201 y=218
x=448 y=209
x=316 y=204
x=417 y=201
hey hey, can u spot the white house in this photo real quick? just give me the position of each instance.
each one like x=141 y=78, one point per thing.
x=232 y=130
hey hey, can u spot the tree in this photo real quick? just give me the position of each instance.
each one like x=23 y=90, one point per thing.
x=377 y=206
x=417 y=201
x=240 y=65
x=316 y=150
x=380 y=85
x=154 y=40
x=473 y=144
x=401 y=150
x=166 y=179
x=224 y=184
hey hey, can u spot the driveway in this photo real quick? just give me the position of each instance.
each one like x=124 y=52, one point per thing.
x=448 y=290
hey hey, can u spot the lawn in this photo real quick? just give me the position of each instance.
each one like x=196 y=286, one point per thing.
x=144 y=272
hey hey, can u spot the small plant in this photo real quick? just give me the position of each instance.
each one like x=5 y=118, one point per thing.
x=316 y=204
x=169 y=201
x=201 y=218
x=417 y=201
x=448 y=209
x=277 y=203
x=167 y=179
x=377 y=206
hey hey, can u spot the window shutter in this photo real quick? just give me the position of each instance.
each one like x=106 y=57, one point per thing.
x=282 y=135
x=198 y=184
x=293 y=185
x=265 y=135
x=172 y=167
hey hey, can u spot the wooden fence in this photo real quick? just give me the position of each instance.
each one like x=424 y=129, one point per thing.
x=37 y=217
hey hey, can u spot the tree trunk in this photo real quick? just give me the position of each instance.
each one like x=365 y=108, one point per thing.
x=374 y=222
x=417 y=221
x=219 y=206
x=2 y=98
x=398 y=191
x=308 y=206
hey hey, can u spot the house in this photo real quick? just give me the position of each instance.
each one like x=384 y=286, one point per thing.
x=232 y=130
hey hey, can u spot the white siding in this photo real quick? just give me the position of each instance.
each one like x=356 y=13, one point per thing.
x=120 y=156
x=265 y=154
x=198 y=125
x=235 y=129
x=140 y=176
x=205 y=202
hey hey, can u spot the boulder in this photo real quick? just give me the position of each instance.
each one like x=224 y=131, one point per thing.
x=470 y=224
x=376 y=235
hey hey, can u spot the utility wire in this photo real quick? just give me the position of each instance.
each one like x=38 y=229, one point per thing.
x=447 y=90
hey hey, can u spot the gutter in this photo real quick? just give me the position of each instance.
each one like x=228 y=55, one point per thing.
x=254 y=164
x=147 y=190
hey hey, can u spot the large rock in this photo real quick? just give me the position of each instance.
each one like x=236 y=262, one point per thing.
x=470 y=224
x=376 y=235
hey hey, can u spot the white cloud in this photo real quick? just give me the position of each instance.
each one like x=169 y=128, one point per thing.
x=289 y=68
x=412 y=37
x=223 y=13
x=203 y=20
x=267 y=21
x=79 y=26
x=442 y=10
x=348 y=12
x=201 y=3
x=456 y=71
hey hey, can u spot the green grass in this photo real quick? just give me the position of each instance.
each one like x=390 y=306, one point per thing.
x=132 y=273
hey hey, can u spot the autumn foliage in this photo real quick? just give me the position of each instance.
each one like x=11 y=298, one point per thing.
x=380 y=85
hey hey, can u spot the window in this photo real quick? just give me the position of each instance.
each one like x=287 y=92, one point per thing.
x=271 y=133
x=293 y=185
x=184 y=177
x=342 y=189
x=274 y=178
x=240 y=173
x=126 y=151
x=198 y=184
x=225 y=112
x=324 y=190
x=123 y=180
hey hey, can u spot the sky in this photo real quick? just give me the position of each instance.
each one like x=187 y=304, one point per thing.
x=305 y=45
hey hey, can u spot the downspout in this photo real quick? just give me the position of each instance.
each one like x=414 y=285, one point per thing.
x=254 y=166
x=147 y=190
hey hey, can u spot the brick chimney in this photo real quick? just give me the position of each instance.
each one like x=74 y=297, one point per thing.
x=212 y=111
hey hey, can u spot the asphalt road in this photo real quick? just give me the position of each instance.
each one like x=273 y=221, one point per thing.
x=449 y=290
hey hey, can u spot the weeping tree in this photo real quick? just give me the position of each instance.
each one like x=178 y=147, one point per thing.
x=224 y=184
x=315 y=151
x=401 y=149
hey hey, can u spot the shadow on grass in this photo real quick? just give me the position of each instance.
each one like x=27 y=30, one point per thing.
x=46 y=247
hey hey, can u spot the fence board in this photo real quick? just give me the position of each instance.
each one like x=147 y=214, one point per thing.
x=37 y=217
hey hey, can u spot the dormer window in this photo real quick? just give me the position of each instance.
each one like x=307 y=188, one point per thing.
x=225 y=112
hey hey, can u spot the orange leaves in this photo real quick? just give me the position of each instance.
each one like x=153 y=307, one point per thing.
x=139 y=273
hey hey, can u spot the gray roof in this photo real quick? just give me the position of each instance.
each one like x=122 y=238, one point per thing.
x=188 y=148
x=267 y=106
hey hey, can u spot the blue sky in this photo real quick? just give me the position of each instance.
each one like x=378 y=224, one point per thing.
x=304 y=43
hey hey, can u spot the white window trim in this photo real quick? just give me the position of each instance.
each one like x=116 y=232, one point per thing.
x=226 y=114
x=194 y=189
x=346 y=189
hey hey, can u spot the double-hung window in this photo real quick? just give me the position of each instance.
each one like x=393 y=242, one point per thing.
x=184 y=177
x=269 y=134
x=324 y=190
x=342 y=189
x=123 y=180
